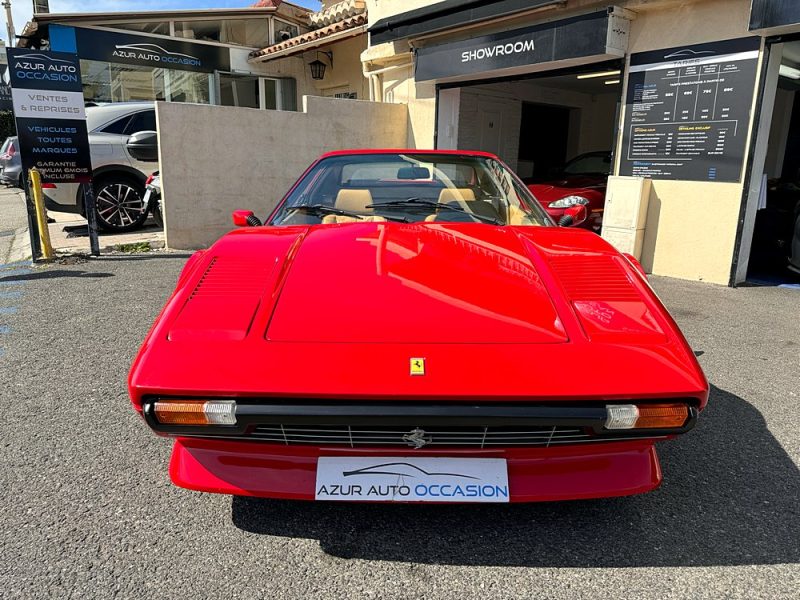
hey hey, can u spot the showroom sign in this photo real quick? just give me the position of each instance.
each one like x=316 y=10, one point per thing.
x=49 y=109
x=595 y=34
x=687 y=111
x=156 y=52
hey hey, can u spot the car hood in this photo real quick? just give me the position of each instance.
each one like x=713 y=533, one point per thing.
x=413 y=283
x=340 y=310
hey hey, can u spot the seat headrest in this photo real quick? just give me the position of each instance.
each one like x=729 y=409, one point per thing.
x=354 y=200
x=456 y=195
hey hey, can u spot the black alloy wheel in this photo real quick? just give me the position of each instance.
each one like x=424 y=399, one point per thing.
x=119 y=204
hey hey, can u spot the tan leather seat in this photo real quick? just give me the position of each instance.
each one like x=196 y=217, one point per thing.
x=456 y=195
x=354 y=200
x=329 y=219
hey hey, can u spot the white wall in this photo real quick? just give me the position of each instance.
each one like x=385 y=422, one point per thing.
x=591 y=123
x=490 y=122
x=216 y=159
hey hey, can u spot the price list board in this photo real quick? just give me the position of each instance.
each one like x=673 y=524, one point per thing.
x=688 y=111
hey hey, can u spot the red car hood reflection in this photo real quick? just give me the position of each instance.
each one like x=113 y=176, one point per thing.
x=415 y=283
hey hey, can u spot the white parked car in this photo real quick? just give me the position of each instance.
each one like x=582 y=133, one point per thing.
x=119 y=179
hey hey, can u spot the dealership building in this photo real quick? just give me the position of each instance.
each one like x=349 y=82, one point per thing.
x=264 y=56
x=683 y=111
x=695 y=96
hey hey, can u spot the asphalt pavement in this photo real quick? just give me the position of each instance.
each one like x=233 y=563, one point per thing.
x=87 y=509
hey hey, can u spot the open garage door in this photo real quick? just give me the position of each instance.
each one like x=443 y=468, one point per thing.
x=774 y=256
x=555 y=129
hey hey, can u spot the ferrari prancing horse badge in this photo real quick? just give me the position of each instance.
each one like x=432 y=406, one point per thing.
x=417 y=366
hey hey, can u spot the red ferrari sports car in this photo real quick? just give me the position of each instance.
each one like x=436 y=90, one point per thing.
x=583 y=180
x=411 y=326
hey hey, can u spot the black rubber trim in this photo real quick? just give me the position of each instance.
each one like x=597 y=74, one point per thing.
x=251 y=413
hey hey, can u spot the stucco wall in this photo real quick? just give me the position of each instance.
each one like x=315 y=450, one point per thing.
x=215 y=159
x=346 y=71
x=399 y=86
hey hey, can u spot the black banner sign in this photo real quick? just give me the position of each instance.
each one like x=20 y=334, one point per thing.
x=107 y=46
x=50 y=115
x=767 y=14
x=586 y=35
x=687 y=111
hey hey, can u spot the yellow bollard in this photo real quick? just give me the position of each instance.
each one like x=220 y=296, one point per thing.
x=35 y=180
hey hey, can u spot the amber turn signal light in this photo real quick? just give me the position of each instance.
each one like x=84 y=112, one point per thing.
x=646 y=416
x=662 y=416
x=196 y=412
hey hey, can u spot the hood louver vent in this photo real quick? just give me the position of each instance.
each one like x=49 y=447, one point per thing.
x=594 y=278
x=224 y=302
x=231 y=277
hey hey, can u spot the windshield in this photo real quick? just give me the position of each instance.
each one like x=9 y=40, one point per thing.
x=589 y=164
x=410 y=188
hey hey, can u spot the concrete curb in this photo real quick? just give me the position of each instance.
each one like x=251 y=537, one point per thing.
x=129 y=248
x=20 y=248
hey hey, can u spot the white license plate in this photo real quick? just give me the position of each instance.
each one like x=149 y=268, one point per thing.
x=412 y=479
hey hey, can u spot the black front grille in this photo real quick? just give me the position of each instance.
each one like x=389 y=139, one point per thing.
x=454 y=437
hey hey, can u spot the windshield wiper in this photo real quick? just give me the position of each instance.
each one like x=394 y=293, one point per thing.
x=433 y=203
x=322 y=209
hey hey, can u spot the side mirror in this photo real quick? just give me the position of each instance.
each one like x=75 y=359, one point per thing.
x=573 y=216
x=245 y=218
x=143 y=146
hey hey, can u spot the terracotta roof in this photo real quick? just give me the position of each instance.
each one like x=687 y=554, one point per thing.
x=337 y=12
x=314 y=36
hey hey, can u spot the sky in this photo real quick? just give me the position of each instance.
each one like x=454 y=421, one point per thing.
x=23 y=9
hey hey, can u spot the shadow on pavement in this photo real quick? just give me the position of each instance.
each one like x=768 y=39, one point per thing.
x=55 y=274
x=729 y=498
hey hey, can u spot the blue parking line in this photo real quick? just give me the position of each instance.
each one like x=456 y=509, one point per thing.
x=17 y=263
x=14 y=272
x=10 y=275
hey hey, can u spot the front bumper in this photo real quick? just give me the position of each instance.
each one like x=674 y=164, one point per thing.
x=534 y=474
x=555 y=452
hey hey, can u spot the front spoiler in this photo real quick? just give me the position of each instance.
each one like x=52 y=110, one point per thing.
x=534 y=474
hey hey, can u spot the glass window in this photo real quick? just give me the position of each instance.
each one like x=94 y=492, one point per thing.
x=187 y=86
x=241 y=32
x=288 y=94
x=117 y=126
x=142 y=121
x=271 y=94
x=284 y=31
x=160 y=28
x=239 y=90
x=413 y=187
x=112 y=82
x=598 y=163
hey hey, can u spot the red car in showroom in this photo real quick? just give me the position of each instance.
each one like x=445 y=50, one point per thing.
x=411 y=326
x=582 y=181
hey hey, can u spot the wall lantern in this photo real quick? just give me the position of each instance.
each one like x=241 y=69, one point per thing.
x=318 y=67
